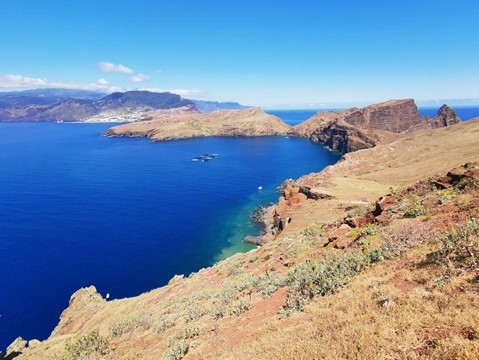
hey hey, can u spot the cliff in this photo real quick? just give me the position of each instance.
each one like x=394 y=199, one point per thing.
x=356 y=129
x=249 y=122
x=359 y=259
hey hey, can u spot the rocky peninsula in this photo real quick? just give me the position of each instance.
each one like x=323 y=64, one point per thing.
x=174 y=126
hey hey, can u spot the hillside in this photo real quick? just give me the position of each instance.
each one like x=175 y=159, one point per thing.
x=250 y=122
x=376 y=258
x=82 y=105
x=129 y=106
x=356 y=129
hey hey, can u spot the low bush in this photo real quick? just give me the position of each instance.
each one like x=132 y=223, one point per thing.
x=364 y=231
x=240 y=306
x=313 y=229
x=322 y=277
x=410 y=207
x=407 y=234
x=461 y=245
x=177 y=349
x=89 y=346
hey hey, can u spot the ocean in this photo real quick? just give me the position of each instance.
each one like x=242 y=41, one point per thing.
x=124 y=214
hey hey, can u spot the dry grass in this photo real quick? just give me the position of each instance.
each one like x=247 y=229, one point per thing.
x=392 y=311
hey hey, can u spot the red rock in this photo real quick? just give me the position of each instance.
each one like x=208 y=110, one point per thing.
x=343 y=243
x=366 y=219
x=297 y=199
x=382 y=219
x=383 y=203
x=351 y=222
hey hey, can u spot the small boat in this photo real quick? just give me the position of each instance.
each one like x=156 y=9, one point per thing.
x=260 y=188
x=195 y=159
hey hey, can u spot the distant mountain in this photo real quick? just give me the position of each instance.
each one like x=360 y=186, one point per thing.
x=210 y=106
x=45 y=96
x=42 y=106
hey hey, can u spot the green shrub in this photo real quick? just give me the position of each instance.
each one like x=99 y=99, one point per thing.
x=123 y=326
x=190 y=331
x=194 y=312
x=461 y=244
x=322 y=277
x=240 y=306
x=269 y=283
x=410 y=207
x=467 y=183
x=86 y=347
x=358 y=211
x=177 y=349
x=364 y=231
x=165 y=322
x=313 y=229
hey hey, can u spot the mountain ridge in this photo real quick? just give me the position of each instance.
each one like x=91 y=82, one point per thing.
x=83 y=105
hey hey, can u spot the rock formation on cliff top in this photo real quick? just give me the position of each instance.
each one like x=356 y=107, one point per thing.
x=249 y=122
x=356 y=129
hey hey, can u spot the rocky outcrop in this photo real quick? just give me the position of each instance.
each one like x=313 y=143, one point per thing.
x=394 y=115
x=342 y=137
x=445 y=117
x=250 y=122
x=356 y=129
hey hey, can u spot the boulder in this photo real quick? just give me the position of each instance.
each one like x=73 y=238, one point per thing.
x=34 y=342
x=18 y=346
x=383 y=203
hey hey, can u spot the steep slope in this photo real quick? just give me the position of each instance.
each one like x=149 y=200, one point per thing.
x=355 y=274
x=250 y=122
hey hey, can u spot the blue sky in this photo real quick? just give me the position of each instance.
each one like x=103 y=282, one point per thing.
x=269 y=53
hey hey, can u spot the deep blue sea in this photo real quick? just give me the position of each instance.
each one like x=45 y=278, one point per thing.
x=125 y=215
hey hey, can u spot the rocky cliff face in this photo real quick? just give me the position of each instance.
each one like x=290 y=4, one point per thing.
x=395 y=116
x=250 y=122
x=356 y=129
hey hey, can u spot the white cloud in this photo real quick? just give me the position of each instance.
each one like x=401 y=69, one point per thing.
x=14 y=81
x=181 y=92
x=110 y=67
x=139 y=77
x=19 y=81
